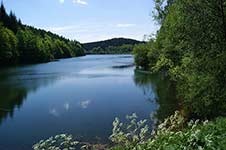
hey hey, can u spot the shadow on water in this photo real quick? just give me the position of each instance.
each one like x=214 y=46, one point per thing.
x=14 y=90
x=164 y=89
x=10 y=99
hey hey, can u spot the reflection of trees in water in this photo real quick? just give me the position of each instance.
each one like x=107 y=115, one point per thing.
x=14 y=90
x=10 y=99
x=162 y=88
x=145 y=83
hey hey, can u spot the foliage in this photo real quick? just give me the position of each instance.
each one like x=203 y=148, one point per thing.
x=124 y=49
x=26 y=44
x=8 y=46
x=59 y=142
x=65 y=142
x=190 y=47
x=205 y=135
x=131 y=134
x=162 y=9
x=173 y=134
x=112 y=46
x=141 y=56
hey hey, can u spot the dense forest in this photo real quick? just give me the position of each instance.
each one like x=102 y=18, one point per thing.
x=112 y=46
x=20 y=43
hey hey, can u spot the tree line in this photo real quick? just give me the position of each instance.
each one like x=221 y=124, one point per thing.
x=190 y=48
x=124 y=49
x=112 y=46
x=20 y=43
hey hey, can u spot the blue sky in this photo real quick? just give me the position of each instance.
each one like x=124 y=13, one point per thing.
x=88 y=20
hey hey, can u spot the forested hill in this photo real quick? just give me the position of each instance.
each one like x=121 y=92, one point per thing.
x=112 y=46
x=20 y=43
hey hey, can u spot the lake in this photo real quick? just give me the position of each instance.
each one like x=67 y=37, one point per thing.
x=80 y=96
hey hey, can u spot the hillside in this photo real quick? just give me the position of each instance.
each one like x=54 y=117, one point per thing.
x=20 y=43
x=111 y=46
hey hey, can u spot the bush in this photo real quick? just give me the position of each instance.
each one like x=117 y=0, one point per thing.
x=141 y=55
x=175 y=134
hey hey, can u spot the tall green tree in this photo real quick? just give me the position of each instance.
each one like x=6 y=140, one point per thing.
x=8 y=46
x=162 y=9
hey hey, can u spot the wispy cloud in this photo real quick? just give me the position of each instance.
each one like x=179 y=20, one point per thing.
x=61 y=29
x=72 y=29
x=92 y=30
x=61 y=1
x=81 y=2
x=125 y=25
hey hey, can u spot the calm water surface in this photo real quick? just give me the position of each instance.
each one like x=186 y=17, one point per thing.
x=79 y=96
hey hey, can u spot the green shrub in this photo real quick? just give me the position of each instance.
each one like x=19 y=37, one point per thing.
x=175 y=134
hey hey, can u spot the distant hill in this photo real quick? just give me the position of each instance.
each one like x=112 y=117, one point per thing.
x=111 y=46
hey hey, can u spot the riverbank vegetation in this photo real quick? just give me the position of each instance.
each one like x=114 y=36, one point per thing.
x=20 y=43
x=174 y=133
x=190 y=48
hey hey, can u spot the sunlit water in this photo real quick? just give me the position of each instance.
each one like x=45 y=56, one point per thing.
x=79 y=96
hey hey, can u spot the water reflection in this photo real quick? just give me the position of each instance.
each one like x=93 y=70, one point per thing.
x=66 y=106
x=84 y=104
x=157 y=89
x=10 y=99
x=17 y=82
x=54 y=112
x=80 y=96
x=15 y=86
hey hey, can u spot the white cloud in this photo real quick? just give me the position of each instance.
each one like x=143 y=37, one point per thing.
x=82 y=2
x=61 y=1
x=125 y=25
